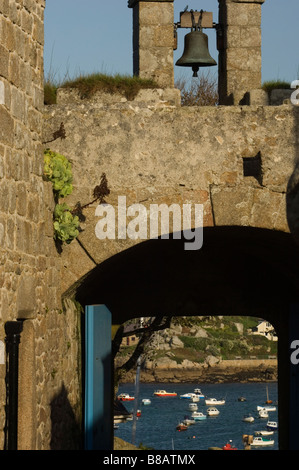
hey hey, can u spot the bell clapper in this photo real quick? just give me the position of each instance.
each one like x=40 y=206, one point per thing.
x=195 y=69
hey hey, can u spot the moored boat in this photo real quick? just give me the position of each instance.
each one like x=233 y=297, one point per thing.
x=264 y=433
x=198 y=415
x=125 y=397
x=248 y=418
x=188 y=421
x=181 y=427
x=262 y=441
x=229 y=446
x=268 y=408
x=187 y=396
x=195 y=398
x=163 y=393
x=212 y=411
x=272 y=425
x=214 y=401
x=263 y=413
x=199 y=393
x=146 y=401
x=193 y=406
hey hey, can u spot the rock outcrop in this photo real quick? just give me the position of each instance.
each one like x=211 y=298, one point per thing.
x=253 y=370
x=168 y=360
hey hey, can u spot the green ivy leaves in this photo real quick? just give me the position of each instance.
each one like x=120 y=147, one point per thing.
x=65 y=224
x=58 y=170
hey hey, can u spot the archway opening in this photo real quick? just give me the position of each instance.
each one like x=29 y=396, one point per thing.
x=238 y=271
x=230 y=359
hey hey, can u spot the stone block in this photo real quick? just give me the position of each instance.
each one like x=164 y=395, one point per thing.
x=7 y=127
x=258 y=97
x=4 y=54
x=26 y=298
x=21 y=199
x=26 y=21
x=9 y=36
x=247 y=59
x=155 y=13
x=243 y=15
x=14 y=70
x=17 y=104
x=248 y=206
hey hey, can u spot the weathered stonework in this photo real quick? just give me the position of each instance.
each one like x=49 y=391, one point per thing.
x=160 y=153
x=239 y=45
x=29 y=262
x=241 y=163
x=153 y=41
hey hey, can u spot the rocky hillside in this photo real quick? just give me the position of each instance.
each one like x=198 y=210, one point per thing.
x=206 y=349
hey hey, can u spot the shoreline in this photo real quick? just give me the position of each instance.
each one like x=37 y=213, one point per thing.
x=242 y=371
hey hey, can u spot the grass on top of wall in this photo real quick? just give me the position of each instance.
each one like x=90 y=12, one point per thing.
x=274 y=85
x=88 y=85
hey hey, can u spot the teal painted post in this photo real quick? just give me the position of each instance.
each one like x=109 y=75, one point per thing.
x=98 y=378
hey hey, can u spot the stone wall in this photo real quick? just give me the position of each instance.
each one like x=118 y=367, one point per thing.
x=236 y=161
x=29 y=262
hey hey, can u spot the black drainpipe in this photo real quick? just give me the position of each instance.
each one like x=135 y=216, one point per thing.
x=13 y=331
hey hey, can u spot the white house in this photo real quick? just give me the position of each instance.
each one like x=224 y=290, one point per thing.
x=266 y=329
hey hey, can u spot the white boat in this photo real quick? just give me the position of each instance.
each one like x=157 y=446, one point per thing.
x=146 y=401
x=263 y=413
x=125 y=397
x=264 y=433
x=191 y=396
x=188 y=421
x=212 y=411
x=195 y=399
x=187 y=395
x=268 y=408
x=261 y=441
x=272 y=425
x=193 y=406
x=199 y=393
x=214 y=401
x=248 y=419
x=198 y=415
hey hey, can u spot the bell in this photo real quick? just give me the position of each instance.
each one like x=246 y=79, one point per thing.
x=196 y=53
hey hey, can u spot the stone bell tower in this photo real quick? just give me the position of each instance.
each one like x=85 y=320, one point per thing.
x=238 y=35
x=239 y=46
x=153 y=40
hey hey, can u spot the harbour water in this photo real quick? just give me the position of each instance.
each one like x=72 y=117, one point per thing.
x=156 y=427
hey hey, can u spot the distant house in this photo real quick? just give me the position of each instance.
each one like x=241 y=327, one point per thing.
x=131 y=339
x=264 y=328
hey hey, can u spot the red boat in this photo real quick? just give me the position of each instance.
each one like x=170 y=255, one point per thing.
x=181 y=427
x=125 y=397
x=228 y=446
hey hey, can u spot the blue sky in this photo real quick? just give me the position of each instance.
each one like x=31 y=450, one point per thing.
x=86 y=36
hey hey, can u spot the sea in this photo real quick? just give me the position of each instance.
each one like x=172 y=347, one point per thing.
x=156 y=429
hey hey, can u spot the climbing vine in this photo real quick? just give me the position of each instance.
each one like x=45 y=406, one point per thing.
x=66 y=221
x=58 y=170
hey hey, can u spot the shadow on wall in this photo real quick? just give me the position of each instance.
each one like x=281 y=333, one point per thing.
x=292 y=196
x=66 y=431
